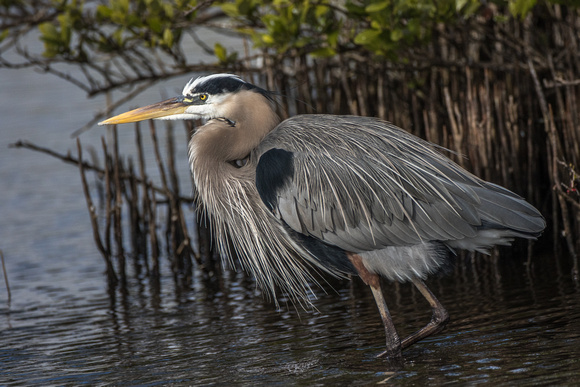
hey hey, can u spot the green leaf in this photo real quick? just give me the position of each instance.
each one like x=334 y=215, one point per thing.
x=168 y=37
x=323 y=52
x=220 y=52
x=366 y=37
x=65 y=27
x=49 y=32
x=521 y=7
x=123 y=5
x=268 y=39
x=376 y=7
x=4 y=34
x=104 y=12
x=168 y=10
x=51 y=38
x=467 y=7
x=396 y=35
x=320 y=11
x=332 y=38
x=118 y=36
x=154 y=24
x=230 y=9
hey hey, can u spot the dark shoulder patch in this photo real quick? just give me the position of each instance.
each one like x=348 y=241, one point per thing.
x=275 y=169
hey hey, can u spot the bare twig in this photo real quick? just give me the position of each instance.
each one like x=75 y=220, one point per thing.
x=94 y=220
x=6 y=279
x=550 y=128
x=71 y=160
x=559 y=82
x=117 y=221
x=110 y=107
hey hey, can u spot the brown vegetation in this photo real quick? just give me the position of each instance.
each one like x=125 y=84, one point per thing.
x=504 y=97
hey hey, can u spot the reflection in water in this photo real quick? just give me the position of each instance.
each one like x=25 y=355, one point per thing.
x=507 y=326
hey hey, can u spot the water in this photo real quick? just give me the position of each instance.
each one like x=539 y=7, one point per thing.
x=507 y=327
x=509 y=324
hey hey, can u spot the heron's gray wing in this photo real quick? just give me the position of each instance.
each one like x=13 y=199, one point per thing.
x=361 y=184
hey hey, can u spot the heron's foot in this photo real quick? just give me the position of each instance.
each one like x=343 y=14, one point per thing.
x=439 y=318
x=438 y=322
x=393 y=347
x=390 y=354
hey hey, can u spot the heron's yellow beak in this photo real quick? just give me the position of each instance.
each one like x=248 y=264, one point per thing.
x=161 y=109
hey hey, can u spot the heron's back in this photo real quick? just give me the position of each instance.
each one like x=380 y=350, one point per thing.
x=363 y=184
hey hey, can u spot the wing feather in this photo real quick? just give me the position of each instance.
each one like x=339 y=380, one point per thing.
x=362 y=184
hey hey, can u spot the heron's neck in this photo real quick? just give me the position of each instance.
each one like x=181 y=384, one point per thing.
x=253 y=117
x=244 y=119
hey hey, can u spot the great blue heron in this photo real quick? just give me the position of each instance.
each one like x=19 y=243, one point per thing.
x=344 y=194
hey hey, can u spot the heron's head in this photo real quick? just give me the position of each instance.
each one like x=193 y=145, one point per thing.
x=204 y=97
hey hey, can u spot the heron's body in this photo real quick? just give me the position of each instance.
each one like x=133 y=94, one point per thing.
x=345 y=194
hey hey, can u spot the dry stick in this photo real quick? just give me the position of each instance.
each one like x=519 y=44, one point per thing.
x=360 y=94
x=573 y=123
x=71 y=160
x=203 y=237
x=336 y=101
x=167 y=192
x=186 y=243
x=269 y=72
x=321 y=74
x=516 y=140
x=561 y=112
x=415 y=112
x=550 y=128
x=551 y=147
x=573 y=112
x=382 y=107
x=487 y=136
x=111 y=106
x=346 y=87
x=568 y=131
x=306 y=86
x=189 y=127
x=432 y=112
x=111 y=275
x=471 y=123
x=427 y=126
x=160 y=166
x=486 y=147
x=6 y=279
x=134 y=211
x=456 y=133
x=158 y=157
x=108 y=212
x=559 y=82
x=560 y=195
x=65 y=158
x=145 y=210
x=504 y=140
x=153 y=239
x=572 y=202
x=174 y=191
x=184 y=240
x=117 y=226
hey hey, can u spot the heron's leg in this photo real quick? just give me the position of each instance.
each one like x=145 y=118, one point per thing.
x=371 y=279
x=439 y=319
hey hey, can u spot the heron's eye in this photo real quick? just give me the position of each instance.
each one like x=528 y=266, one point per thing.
x=203 y=97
